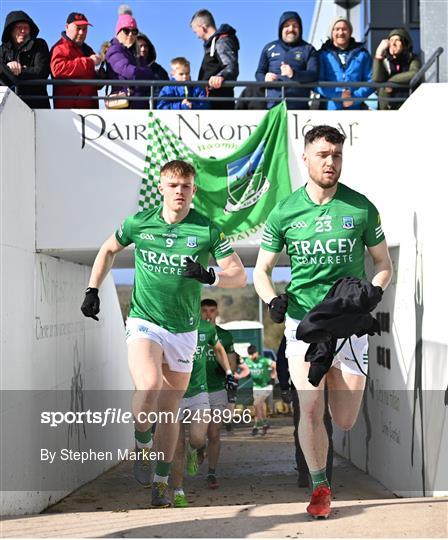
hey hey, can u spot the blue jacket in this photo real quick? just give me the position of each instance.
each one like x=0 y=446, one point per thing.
x=301 y=56
x=182 y=93
x=358 y=67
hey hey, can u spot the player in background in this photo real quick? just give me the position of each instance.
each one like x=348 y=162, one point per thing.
x=263 y=373
x=195 y=407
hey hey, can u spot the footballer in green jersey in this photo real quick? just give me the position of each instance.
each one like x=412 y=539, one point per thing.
x=161 y=293
x=326 y=228
x=172 y=243
x=216 y=378
x=260 y=370
x=263 y=373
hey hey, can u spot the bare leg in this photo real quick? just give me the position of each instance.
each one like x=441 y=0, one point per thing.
x=214 y=443
x=345 y=392
x=198 y=433
x=167 y=433
x=312 y=432
x=145 y=366
x=177 y=469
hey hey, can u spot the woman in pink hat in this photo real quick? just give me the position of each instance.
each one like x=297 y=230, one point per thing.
x=122 y=63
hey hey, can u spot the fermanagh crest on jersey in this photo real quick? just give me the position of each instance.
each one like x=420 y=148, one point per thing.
x=192 y=242
x=245 y=181
x=348 y=222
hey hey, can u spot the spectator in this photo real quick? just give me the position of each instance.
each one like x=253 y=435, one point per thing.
x=72 y=58
x=147 y=54
x=344 y=59
x=220 y=61
x=26 y=56
x=180 y=71
x=122 y=60
x=395 y=62
x=288 y=58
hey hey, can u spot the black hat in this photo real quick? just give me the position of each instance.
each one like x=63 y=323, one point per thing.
x=78 y=18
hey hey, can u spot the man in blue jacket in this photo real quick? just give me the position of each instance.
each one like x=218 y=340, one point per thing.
x=342 y=59
x=291 y=59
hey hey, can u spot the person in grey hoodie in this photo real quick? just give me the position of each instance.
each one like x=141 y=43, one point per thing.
x=220 y=62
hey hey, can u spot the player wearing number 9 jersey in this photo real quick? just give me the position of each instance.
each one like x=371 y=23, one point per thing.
x=172 y=246
x=325 y=227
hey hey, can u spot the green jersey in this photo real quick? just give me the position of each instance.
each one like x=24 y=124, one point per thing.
x=324 y=242
x=207 y=337
x=161 y=294
x=216 y=376
x=260 y=370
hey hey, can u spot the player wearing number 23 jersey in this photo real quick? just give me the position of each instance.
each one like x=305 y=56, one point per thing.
x=324 y=242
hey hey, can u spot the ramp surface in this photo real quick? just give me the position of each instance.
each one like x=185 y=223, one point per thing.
x=258 y=498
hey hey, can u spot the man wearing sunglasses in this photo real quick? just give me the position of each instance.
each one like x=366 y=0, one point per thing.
x=124 y=64
x=72 y=58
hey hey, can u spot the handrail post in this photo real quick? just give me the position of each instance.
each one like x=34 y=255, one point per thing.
x=151 y=97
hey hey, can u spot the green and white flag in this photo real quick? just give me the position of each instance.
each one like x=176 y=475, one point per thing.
x=237 y=192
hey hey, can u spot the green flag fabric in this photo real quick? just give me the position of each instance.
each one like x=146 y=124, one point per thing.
x=236 y=192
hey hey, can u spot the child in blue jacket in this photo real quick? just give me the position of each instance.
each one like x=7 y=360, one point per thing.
x=180 y=71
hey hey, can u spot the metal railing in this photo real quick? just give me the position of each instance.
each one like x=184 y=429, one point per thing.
x=152 y=98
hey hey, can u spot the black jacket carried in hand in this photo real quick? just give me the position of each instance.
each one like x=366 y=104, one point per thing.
x=33 y=56
x=345 y=311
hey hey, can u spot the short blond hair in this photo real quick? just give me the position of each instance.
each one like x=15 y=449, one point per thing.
x=178 y=169
x=180 y=61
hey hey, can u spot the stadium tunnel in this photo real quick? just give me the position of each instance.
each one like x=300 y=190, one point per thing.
x=61 y=203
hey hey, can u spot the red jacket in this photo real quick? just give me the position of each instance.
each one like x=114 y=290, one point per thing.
x=70 y=61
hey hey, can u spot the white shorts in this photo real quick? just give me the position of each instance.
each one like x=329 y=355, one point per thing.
x=178 y=349
x=218 y=400
x=199 y=402
x=343 y=360
x=260 y=394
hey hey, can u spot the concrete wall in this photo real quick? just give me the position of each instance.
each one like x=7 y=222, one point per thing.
x=52 y=358
x=400 y=437
x=434 y=22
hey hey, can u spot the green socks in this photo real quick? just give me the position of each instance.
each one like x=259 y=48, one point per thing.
x=319 y=478
x=143 y=439
x=162 y=471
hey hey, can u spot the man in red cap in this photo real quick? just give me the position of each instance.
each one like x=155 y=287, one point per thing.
x=72 y=58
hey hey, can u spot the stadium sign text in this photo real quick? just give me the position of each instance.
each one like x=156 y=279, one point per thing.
x=94 y=126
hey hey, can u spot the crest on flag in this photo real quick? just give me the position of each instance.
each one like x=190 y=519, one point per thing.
x=245 y=181
x=235 y=192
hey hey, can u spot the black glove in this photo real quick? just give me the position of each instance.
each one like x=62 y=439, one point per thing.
x=375 y=296
x=286 y=396
x=277 y=308
x=231 y=383
x=197 y=271
x=91 y=305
